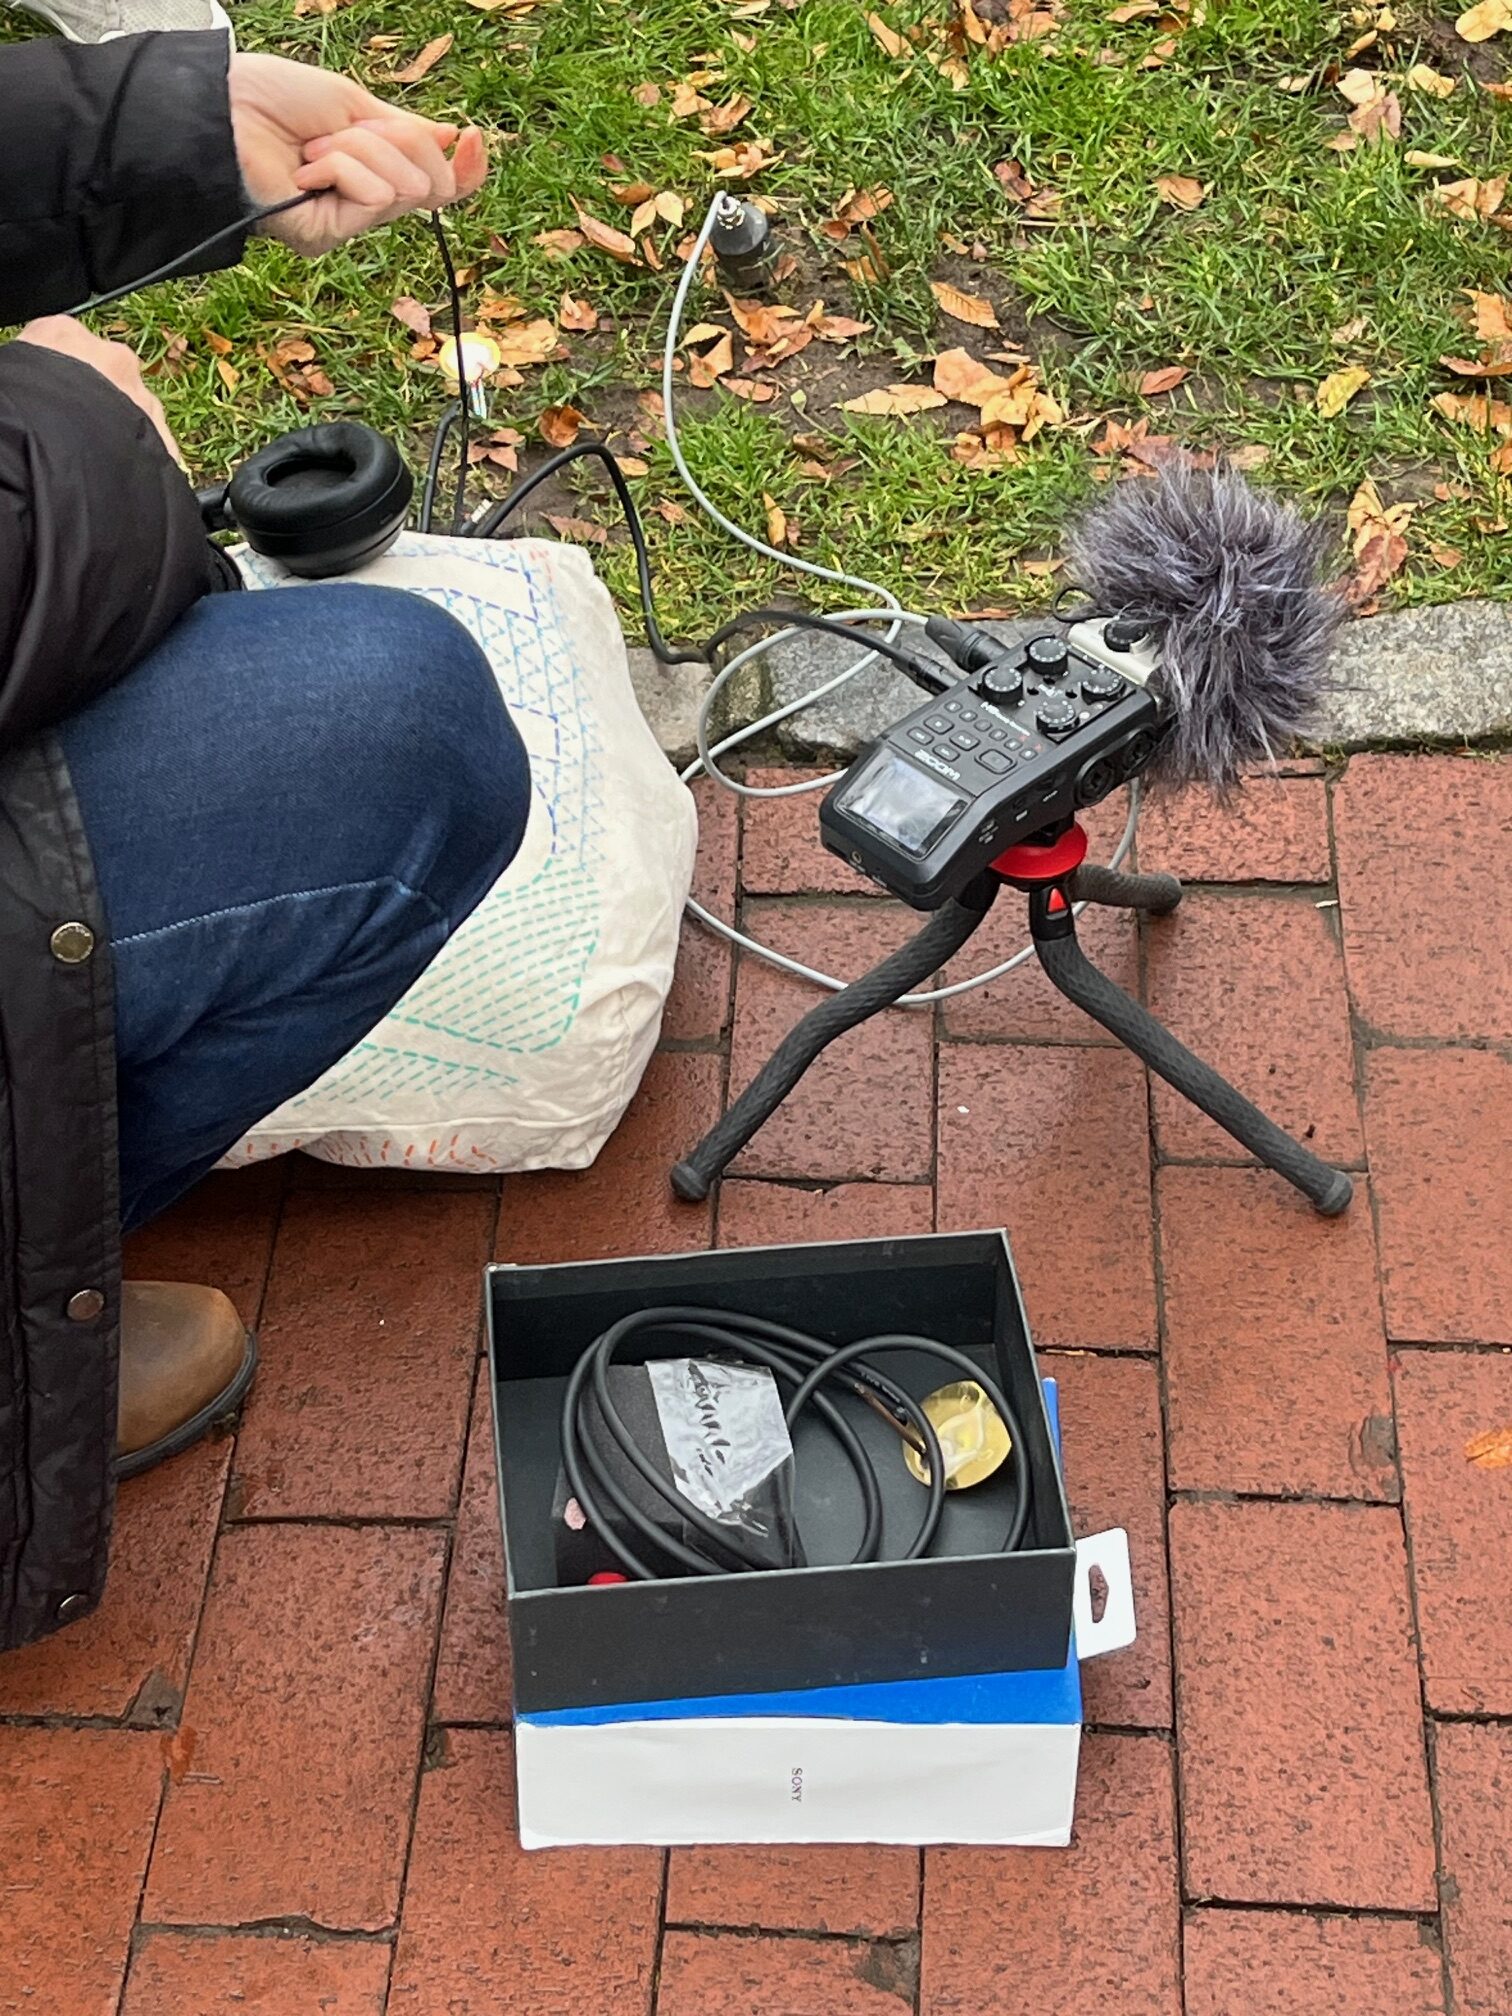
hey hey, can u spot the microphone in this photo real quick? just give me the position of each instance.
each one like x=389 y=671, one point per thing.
x=1229 y=583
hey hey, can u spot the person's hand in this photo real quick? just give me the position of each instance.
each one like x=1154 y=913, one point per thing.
x=112 y=360
x=297 y=128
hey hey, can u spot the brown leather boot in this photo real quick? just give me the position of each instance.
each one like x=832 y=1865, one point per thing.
x=186 y=1362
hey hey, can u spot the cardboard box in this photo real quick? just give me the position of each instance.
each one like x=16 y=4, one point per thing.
x=967 y=1609
x=986 y=1759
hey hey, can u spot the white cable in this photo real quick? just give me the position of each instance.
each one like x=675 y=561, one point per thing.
x=889 y=610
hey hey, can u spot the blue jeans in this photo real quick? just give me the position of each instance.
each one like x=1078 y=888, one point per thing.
x=292 y=803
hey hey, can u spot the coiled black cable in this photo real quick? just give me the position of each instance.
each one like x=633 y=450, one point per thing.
x=802 y=1366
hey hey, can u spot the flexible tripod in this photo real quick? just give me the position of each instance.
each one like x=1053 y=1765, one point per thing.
x=1051 y=869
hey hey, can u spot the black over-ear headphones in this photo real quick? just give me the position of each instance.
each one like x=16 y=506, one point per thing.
x=320 y=501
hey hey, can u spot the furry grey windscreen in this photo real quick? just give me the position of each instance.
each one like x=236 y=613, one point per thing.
x=1231 y=579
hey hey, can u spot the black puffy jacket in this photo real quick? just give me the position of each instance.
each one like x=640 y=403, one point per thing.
x=113 y=160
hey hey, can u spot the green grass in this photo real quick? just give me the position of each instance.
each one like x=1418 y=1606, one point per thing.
x=1292 y=243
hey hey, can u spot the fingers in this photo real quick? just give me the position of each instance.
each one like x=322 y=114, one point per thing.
x=381 y=165
x=420 y=145
x=410 y=155
x=470 y=162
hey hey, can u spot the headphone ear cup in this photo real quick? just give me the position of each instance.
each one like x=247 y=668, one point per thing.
x=322 y=500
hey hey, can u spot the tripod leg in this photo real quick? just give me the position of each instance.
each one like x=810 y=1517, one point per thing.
x=924 y=954
x=1080 y=981
x=1158 y=894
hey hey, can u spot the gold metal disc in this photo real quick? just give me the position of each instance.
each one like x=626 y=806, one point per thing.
x=973 y=1436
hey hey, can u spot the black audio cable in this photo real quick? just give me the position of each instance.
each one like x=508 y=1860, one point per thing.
x=174 y=268
x=802 y=1366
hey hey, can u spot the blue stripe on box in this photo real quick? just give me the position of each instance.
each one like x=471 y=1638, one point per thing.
x=1035 y=1698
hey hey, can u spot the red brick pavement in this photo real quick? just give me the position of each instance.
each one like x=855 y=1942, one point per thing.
x=273 y=1772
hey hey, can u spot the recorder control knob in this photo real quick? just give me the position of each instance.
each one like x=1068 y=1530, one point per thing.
x=1124 y=632
x=1057 y=713
x=1046 y=656
x=1102 y=683
x=1002 y=683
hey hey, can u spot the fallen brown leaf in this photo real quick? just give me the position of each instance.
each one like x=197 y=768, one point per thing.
x=709 y=366
x=776 y=521
x=632 y=194
x=1493 y=316
x=758 y=323
x=1251 y=456
x=606 y=237
x=958 y=375
x=500 y=307
x=1153 y=383
x=888 y=39
x=1485 y=414
x=839 y=328
x=963 y=307
x=759 y=391
x=1014 y=180
x=1480 y=22
x=688 y=103
x=972 y=452
x=648 y=95
x=409 y=311
x=1472 y=198
x=581 y=531
x=577 y=316
x=1444 y=556
x=498 y=447
x=1338 y=388
x=1495 y=361
x=674 y=513
x=558 y=426
x=221 y=346
x=895 y=401
x=1182 y=192
x=1422 y=77
x=560 y=244
x=859 y=206
x=528 y=342
x=1491 y=1451
x=739 y=164
x=425 y=62
x=725 y=118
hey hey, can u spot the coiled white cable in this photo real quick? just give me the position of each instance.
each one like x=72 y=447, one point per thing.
x=887 y=610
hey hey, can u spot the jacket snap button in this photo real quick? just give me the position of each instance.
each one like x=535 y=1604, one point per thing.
x=72 y=1606
x=72 y=944
x=86 y=1306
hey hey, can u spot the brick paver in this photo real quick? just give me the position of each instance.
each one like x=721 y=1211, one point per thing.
x=273 y=1973
x=368 y=1340
x=77 y=1810
x=1285 y=1963
x=1275 y=830
x=1274 y=1350
x=1423 y=852
x=491 y=1931
x=274 y=1770
x=1302 y=1767
x=1440 y=1130
x=1454 y=1417
x=1057 y=1150
x=871 y=1891
x=1473 y=1776
x=1083 y=1931
x=294 y=1776
x=1254 y=984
